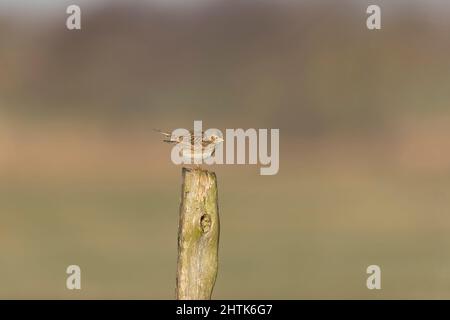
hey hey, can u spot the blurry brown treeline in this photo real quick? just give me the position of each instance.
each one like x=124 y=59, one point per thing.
x=312 y=70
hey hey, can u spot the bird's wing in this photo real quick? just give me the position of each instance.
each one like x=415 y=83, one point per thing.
x=193 y=139
x=196 y=139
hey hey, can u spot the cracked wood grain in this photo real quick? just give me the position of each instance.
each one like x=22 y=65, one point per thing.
x=198 y=235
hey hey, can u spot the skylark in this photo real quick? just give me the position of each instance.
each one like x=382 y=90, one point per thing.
x=194 y=148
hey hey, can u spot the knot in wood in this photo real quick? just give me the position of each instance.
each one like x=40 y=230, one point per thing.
x=205 y=222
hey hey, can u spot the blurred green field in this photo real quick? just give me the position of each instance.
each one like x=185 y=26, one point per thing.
x=308 y=232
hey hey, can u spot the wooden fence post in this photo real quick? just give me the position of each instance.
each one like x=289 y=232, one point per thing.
x=198 y=235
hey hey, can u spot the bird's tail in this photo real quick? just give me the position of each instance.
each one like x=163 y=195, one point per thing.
x=168 y=136
x=162 y=132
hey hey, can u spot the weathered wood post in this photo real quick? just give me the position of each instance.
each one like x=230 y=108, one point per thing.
x=198 y=235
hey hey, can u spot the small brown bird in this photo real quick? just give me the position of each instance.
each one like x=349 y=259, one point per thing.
x=194 y=147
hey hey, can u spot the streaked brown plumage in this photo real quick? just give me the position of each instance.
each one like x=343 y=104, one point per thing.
x=199 y=147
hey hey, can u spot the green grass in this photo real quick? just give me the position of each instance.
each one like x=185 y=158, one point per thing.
x=310 y=234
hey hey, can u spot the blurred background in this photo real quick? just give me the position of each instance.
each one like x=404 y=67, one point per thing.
x=364 y=123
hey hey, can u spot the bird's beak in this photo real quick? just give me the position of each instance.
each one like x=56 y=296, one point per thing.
x=220 y=139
